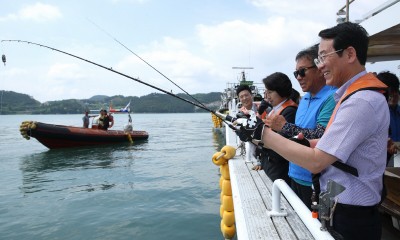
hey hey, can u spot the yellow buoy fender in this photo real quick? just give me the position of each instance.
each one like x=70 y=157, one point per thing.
x=25 y=127
x=226 y=187
x=32 y=125
x=227 y=202
x=228 y=231
x=218 y=158
x=221 y=210
x=229 y=151
x=228 y=218
x=129 y=137
x=221 y=179
x=224 y=169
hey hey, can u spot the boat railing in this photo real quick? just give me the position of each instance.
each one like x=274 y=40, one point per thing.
x=379 y=9
x=280 y=187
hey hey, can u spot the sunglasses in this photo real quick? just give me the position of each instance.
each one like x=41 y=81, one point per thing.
x=302 y=71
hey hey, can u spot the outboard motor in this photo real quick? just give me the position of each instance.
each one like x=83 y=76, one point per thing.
x=128 y=127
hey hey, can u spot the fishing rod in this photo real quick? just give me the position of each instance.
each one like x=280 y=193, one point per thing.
x=221 y=116
x=123 y=45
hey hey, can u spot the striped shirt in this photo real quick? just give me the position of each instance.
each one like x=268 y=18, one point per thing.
x=358 y=137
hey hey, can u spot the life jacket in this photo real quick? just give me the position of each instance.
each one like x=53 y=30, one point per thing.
x=366 y=82
x=288 y=103
x=264 y=114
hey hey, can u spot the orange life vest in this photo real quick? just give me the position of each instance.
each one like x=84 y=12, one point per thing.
x=288 y=103
x=366 y=82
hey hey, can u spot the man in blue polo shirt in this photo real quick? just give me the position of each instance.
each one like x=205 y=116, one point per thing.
x=312 y=116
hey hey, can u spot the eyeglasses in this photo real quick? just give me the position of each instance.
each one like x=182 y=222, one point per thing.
x=302 y=71
x=321 y=58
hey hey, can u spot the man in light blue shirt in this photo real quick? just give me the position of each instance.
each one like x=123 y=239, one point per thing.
x=312 y=116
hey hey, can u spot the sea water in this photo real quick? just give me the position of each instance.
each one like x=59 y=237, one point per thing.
x=163 y=188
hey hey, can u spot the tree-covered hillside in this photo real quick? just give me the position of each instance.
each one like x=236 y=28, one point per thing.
x=18 y=103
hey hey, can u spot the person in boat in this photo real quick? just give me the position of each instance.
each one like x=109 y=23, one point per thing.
x=352 y=151
x=392 y=82
x=86 y=119
x=312 y=116
x=111 y=120
x=279 y=90
x=104 y=120
x=100 y=122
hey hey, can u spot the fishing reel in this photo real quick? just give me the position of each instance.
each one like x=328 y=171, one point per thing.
x=327 y=203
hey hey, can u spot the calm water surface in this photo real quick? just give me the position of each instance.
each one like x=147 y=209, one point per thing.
x=164 y=188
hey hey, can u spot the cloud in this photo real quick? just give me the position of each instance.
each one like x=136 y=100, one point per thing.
x=129 y=1
x=14 y=72
x=266 y=46
x=214 y=49
x=38 y=12
x=65 y=71
x=170 y=58
x=199 y=59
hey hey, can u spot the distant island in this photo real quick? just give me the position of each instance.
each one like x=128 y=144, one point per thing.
x=19 y=103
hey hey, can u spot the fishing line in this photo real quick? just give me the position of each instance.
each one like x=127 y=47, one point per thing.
x=112 y=70
x=120 y=43
x=127 y=76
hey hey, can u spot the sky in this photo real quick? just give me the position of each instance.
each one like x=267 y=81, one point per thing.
x=194 y=44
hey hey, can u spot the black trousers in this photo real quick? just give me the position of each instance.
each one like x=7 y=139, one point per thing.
x=357 y=222
x=303 y=192
x=275 y=166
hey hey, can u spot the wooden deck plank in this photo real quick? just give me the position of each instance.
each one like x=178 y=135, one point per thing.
x=280 y=223
x=299 y=228
x=252 y=193
x=256 y=221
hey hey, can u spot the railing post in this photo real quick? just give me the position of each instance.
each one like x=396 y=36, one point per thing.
x=313 y=224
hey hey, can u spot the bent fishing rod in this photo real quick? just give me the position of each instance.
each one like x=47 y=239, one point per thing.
x=123 y=45
x=221 y=116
